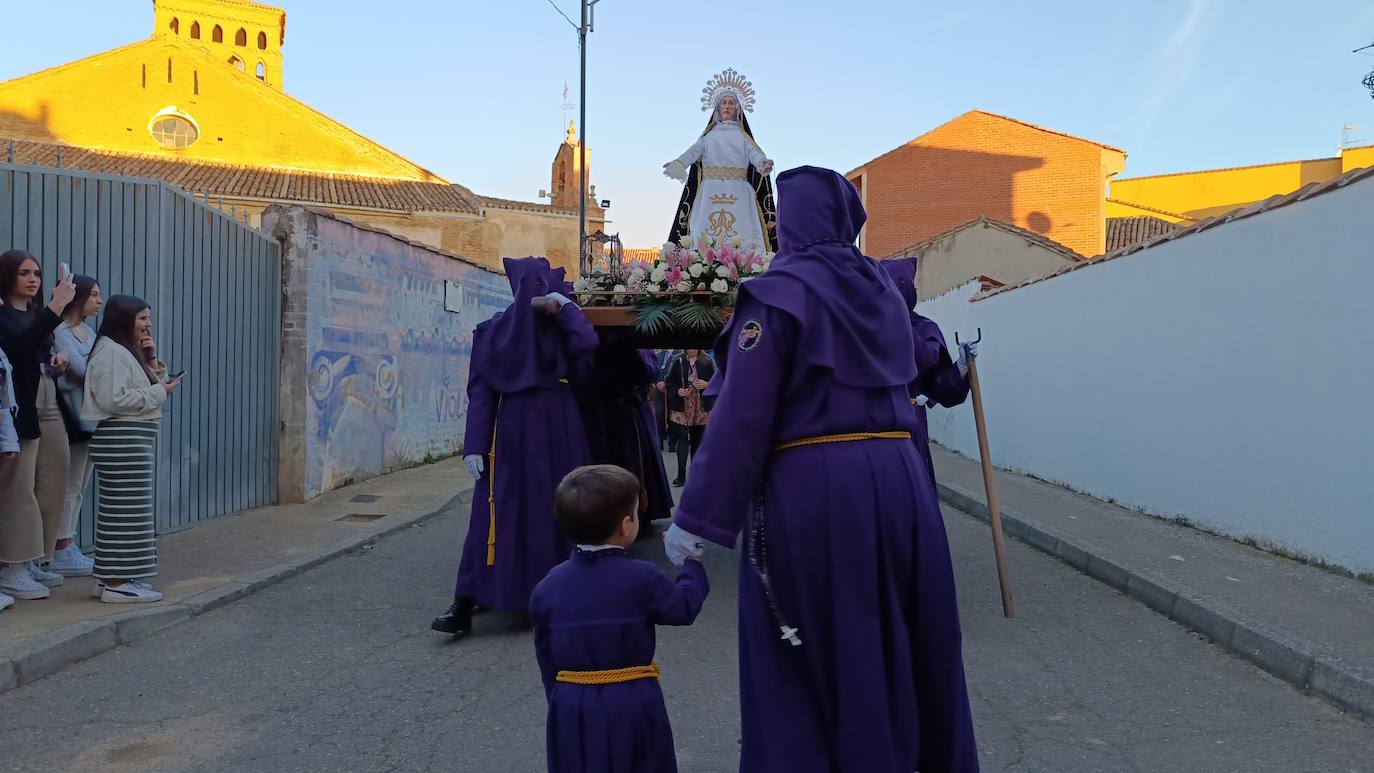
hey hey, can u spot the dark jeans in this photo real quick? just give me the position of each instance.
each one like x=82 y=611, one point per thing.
x=688 y=440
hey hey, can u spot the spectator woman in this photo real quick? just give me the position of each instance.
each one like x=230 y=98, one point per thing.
x=75 y=339
x=125 y=389
x=32 y=485
x=687 y=379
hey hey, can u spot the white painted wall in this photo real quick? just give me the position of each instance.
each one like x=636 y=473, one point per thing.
x=1227 y=377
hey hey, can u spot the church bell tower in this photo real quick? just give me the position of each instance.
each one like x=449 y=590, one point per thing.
x=563 y=185
x=247 y=35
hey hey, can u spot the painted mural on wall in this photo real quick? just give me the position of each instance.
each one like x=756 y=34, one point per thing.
x=389 y=336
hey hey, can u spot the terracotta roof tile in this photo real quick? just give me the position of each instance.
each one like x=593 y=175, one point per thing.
x=1125 y=231
x=218 y=179
x=531 y=206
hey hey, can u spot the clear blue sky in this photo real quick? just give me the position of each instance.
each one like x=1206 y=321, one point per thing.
x=472 y=89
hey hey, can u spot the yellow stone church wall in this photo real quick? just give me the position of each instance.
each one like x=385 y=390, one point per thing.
x=109 y=101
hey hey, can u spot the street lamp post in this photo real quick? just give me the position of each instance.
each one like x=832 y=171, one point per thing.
x=588 y=25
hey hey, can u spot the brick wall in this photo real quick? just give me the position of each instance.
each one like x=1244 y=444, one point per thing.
x=984 y=165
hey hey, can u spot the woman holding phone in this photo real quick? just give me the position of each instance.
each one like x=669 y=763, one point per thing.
x=32 y=485
x=125 y=388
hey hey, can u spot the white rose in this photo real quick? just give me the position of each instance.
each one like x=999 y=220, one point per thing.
x=637 y=275
x=667 y=248
x=720 y=286
x=662 y=266
x=658 y=274
x=652 y=288
x=684 y=286
x=620 y=289
x=696 y=270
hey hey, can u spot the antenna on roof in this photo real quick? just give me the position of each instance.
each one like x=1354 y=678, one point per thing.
x=1350 y=133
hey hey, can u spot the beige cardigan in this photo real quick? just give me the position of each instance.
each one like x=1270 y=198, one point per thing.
x=117 y=386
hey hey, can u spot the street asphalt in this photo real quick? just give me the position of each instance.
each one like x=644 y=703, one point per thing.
x=336 y=669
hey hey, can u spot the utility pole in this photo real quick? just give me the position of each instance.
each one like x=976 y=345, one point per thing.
x=588 y=25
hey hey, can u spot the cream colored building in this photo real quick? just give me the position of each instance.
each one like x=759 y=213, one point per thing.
x=984 y=248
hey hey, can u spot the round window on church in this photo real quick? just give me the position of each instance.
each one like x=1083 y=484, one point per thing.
x=173 y=132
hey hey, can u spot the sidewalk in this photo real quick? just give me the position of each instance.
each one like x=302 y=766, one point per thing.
x=221 y=560
x=1307 y=626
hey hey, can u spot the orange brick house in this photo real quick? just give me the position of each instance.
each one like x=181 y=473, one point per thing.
x=986 y=165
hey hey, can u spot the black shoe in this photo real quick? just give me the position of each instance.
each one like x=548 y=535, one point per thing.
x=458 y=618
x=679 y=483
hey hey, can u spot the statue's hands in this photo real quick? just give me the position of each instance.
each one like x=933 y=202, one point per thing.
x=675 y=170
x=766 y=167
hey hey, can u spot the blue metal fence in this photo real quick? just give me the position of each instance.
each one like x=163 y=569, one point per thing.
x=215 y=287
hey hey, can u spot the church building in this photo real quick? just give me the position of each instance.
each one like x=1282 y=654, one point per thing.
x=201 y=105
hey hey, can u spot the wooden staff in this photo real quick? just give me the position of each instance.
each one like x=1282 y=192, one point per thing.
x=989 y=483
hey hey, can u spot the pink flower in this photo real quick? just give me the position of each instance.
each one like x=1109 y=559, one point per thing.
x=674 y=275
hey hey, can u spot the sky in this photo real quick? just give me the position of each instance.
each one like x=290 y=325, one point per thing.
x=472 y=90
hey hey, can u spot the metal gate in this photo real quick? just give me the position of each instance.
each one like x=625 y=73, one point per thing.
x=214 y=284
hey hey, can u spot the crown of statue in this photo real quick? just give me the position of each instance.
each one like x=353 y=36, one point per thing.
x=732 y=83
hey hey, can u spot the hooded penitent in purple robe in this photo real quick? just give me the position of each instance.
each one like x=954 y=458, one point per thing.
x=612 y=389
x=937 y=377
x=597 y=612
x=849 y=533
x=523 y=418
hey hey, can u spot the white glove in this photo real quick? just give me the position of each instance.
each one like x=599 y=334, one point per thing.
x=681 y=544
x=474 y=464
x=968 y=351
x=921 y=401
x=675 y=170
x=559 y=298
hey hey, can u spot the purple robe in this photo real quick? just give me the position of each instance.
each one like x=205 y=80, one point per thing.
x=621 y=428
x=597 y=612
x=524 y=418
x=856 y=550
x=937 y=377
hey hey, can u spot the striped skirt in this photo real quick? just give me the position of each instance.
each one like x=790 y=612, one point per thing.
x=125 y=538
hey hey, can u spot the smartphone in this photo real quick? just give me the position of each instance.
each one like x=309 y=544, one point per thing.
x=66 y=269
x=176 y=375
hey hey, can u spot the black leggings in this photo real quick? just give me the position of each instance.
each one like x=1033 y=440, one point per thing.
x=688 y=441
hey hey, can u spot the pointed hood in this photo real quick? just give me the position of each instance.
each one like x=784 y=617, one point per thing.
x=523 y=348
x=851 y=314
x=903 y=273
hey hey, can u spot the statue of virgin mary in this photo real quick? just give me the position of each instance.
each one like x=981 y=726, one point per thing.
x=727 y=191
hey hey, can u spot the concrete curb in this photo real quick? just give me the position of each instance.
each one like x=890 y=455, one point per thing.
x=55 y=650
x=1281 y=654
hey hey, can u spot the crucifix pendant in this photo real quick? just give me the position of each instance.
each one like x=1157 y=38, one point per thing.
x=789 y=634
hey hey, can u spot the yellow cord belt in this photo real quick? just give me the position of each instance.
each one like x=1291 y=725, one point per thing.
x=612 y=676
x=847 y=437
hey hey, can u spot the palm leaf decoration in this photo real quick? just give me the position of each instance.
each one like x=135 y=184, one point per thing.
x=698 y=316
x=653 y=315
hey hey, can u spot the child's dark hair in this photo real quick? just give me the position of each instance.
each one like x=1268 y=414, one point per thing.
x=591 y=502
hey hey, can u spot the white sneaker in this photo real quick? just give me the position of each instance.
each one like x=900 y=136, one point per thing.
x=16 y=581
x=98 y=589
x=39 y=574
x=131 y=592
x=6 y=601
x=71 y=562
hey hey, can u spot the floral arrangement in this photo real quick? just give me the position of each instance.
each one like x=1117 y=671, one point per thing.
x=688 y=283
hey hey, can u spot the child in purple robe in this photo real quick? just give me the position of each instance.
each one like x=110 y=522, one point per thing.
x=939 y=378
x=594 y=618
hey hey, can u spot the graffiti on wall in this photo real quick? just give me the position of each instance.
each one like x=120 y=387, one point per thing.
x=389 y=357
